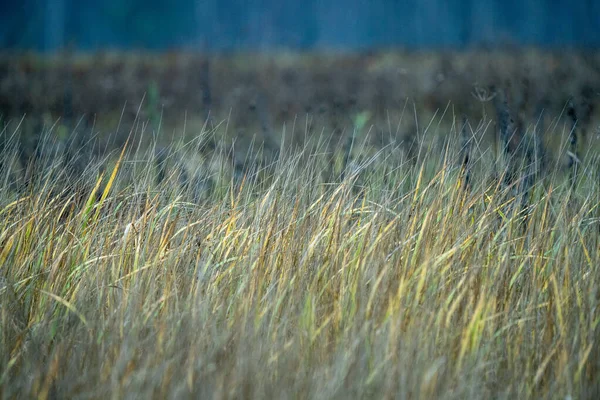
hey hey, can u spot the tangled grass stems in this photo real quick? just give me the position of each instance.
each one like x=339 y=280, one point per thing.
x=393 y=282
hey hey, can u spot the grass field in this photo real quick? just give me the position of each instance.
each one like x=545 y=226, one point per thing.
x=455 y=262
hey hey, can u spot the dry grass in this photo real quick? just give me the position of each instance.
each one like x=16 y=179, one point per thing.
x=282 y=281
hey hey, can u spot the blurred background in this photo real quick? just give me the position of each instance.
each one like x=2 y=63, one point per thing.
x=50 y=25
x=383 y=67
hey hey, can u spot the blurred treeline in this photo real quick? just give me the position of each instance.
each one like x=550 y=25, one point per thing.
x=300 y=24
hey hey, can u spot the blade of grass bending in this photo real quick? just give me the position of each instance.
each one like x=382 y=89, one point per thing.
x=68 y=305
x=90 y=201
x=111 y=180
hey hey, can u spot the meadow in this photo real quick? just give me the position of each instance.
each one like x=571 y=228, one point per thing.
x=408 y=226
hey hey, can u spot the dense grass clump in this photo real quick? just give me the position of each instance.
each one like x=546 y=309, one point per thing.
x=175 y=272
